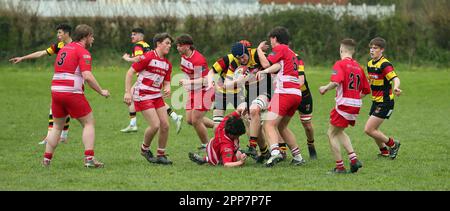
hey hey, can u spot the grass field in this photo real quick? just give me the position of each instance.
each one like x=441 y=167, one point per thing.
x=420 y=121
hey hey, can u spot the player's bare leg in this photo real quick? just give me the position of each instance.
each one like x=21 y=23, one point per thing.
x=65 y=132
x=254 y=132
x=382 y=141
x=270 y=129
x=52 y=140
x=336 y=137
x=88 y=137
x=161 y=157
x=208 y=122
x=195 y=118
x=158 y=122
x=290 y=140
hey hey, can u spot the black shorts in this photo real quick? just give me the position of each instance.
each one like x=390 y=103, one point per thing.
x=221 y=100
x=306 y=106
x=382 y=110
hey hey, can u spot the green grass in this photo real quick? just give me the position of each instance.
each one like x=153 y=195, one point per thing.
x=420 y=121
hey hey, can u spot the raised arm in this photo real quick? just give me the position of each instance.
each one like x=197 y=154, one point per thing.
x=262 y=58
x=34 y=55
x=128 y=58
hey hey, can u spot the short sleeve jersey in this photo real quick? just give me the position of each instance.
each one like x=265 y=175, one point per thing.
x=54 y=48
x=287 y=81
x=194 y=66
x=70 y=62
x=153 y=71
x=381 y=73
x=140 y=48
x=352 y=83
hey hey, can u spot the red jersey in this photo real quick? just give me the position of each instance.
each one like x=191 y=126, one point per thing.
x=153 y=71
x=72 y=59
x=221 y=149
x=287 y=81
x=352 y=83
x=194 y=67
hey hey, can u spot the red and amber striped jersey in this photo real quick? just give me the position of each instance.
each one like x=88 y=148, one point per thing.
x=301 y=71
x=140 y=48
x=381 y=73
x=54 y=48
x=226 y=65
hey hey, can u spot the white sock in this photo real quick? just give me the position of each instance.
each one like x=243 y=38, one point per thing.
x=64 y=134
x=298 y=157
x=174 y=116
x=274 y=150
x=133 y=121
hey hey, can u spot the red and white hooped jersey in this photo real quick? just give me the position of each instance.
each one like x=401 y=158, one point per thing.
x=352 y=83
x=286 y=81
x=153 y=71
x=72 y=59
x=194 y=67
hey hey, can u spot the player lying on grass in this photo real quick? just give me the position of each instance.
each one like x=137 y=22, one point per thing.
x=223 y=149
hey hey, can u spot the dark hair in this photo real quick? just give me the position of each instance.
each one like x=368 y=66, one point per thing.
x=185 y=39
x=138 y=30
x=234 y=126
x=238 y=49
x=281 y=33
x=64 y=27
x=349 y=44
x=82 y=31
x=378 y=41
x=161 y=37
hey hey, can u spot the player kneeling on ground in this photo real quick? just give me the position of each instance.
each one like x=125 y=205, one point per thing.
x=224 y=147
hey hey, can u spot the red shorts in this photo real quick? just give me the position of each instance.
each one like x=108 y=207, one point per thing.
x=339 y=121
x=284 y=104
x=65 y=103
x=147 y=104
x=200 y=100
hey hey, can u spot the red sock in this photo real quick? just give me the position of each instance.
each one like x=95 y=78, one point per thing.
x=340 y=165
x=253 y=142
x=144 y=148
x=89 y=154
x=353 y=158
x=384 y=151
x=48 y=155
x=160 y=152
x=390 y=143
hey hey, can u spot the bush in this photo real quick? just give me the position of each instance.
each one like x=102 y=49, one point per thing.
x=315 y=35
